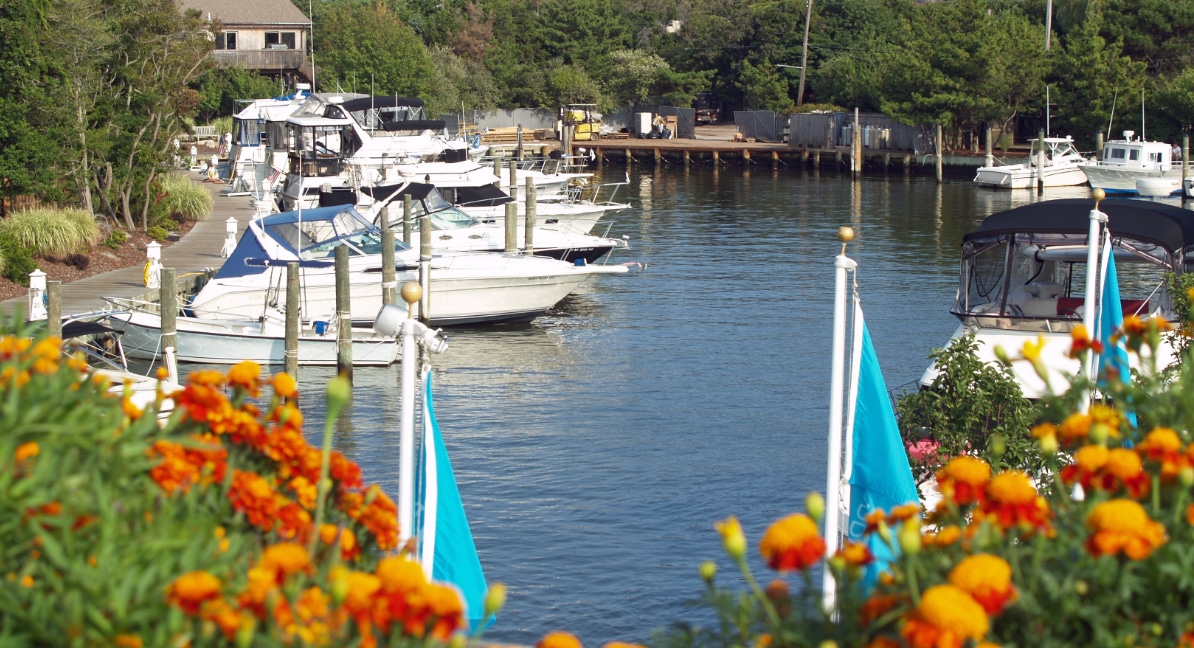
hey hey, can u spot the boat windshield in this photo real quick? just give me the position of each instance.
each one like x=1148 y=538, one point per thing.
x=1037 y=282
x=443 y=214
x=318 y=239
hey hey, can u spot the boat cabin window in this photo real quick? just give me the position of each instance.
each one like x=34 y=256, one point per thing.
x=1154 y=157
x=1134 y=154
x=1038 y=282
x=1116 y=153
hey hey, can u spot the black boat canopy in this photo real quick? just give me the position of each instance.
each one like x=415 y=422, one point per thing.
x=1165 y=225
x=380 y=101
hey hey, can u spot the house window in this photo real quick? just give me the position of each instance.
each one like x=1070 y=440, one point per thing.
x=279 y=40
x=226 y=41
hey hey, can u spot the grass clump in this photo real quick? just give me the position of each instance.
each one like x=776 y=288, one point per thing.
x=182 y=199
x=50 y=232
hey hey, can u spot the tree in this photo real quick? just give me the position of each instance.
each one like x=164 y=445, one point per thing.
x=761 y=87
x=638 y=74
x=363 y=43
x=463 y=83
x=221 y=88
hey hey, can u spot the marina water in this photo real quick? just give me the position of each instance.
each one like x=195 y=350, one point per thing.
x=595 y=447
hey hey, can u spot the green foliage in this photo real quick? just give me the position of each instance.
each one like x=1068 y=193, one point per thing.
x=17 y=260
x=971 y=408
x=220 y=88
x=367 y=47
x=51 y=232
x=117 y=238
x=762 y=87
x=182 y=199
x=157 y=233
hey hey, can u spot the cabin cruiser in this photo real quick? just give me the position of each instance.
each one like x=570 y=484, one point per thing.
x=454 y=229
x=251 y=158
x=1024 y=276
x=1128 y=160
x=1062 y=167
x=465 y=288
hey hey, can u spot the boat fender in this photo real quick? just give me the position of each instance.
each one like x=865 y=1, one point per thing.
x=145 y=274
x=476 y=140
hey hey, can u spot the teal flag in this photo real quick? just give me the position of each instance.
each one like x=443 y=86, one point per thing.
x=1111 y=319
x=880 y=476
x=445 y=541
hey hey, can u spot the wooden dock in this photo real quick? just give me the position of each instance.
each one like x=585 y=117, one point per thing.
x=197 y=251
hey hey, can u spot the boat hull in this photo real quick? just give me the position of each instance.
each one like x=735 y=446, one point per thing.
x=1024 y=176
x=230 y=342
x=1123 y=180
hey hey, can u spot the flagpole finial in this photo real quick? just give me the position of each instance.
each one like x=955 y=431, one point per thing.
x=412 y=292
x=1099 y=195
x=845 y=235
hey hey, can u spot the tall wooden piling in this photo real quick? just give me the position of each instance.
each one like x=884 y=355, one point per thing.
x=54 y=308
x=940 y=156
x=169 y=303
x=497 y=171
x=407 y=219
x=343 y=315
x=518 y=144
x=990 y=160
x=425 y=270
x=532 y=209
x=1185 y=163
x=513 y=180
x=511 y=227
x=1099 y=145
x=290 y=348
x=1040 y=161
x=389 y=280
x=856 y=146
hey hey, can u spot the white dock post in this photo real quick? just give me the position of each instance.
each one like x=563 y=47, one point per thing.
x=153 y=265
x=37 y=296
x=230 y=238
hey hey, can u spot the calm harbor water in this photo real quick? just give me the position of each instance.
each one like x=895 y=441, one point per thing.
x=596 y=446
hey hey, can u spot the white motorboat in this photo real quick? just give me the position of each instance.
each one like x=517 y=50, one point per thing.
x=1158 y=187
x=251 y=157
x=455 y=230
x=224 y=341
x=1023 y=277
x=1062 y=167
x=1128 y=160
x=465 y=288
x=101 y=346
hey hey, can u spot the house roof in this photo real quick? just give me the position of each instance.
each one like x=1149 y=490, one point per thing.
x=240 y=13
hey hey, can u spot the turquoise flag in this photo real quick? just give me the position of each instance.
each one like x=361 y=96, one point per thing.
x=445 y=541
x=880 y=476
x=1111 y=319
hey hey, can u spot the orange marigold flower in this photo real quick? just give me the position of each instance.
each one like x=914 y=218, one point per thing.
x=946 y=617
x=1097 y=468
x=1012 y=502
x=884 y=642
x=792 y=543
x=253 y=495
x=1074 y=429
x=445 y=609
x=1122 y=526
x=876 y=606
x=127 y=641
x=284 y=385
x=26 y=451
x=855 y=554
x=360 y=589
x=559 y=639
x=963 y=479
x=222 y=614
x=399 y=574
x=246 y=375
x=1164 y=447
x=987 y=579
x=345 y=471
x=130 y=408
x=873 y=519
x=380 y=517
x=285 y=558
x=190 y=590
x=349 y=548
x=942 y=537
x=904 y=512
x=1081 y=342
x=294 y=522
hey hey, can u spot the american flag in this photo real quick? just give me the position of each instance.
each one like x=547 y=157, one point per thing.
x=273 y=176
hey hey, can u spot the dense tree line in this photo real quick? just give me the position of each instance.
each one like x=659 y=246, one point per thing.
x=96 y=89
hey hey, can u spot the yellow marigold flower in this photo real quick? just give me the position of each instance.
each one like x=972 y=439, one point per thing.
x=1161 y=440
x=946 y=617
x=1074 y=428
x=286 y=558
x=27 y=581
x=1122 y=525
x=1108 y=416
x=1042 y=430
x=1091 y=457
x=1012 y=501
x=963 y=479
x=792 y=543
x=400 y=574
x=1031 y=351
x=127 y=641
x=904 y=512
x=987 y=579
x=190 y=590
x=1124 y=464
x=130 y=408
x=284 y=385
x=26 y=451
x=732 y=537
x=247 y=376
x=559 y=639
x=359 y=589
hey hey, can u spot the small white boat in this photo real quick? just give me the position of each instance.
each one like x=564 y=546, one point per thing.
x=1023 y=277
x=1062 y=167
x=101 y=347
x=1128 y=160
x=1158 y=187
x=209 y=341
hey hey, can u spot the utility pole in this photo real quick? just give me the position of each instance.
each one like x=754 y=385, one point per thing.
x=1048 y=22
x=804 y=54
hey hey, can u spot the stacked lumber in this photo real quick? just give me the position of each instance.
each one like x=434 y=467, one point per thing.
x=502 y=135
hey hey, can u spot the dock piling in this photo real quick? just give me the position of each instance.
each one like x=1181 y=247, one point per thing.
x=940 y=155
x=425 y=269
x=290 y=350
x=343 y=316
x=1040 y=162
x=54 y=308
x=532 y=210
x=407 y=225
x=169 y=302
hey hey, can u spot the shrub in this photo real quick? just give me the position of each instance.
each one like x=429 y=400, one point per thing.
x=220 y=526
x=1003 y=563
x=116 y=239
x=183 y=199
x=51 y=232
x=18 y=260
x=222 y=125
x=158 y=233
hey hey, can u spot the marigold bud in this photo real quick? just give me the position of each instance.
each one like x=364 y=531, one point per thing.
x=495 y=599
x=814 y=505
x=458 y=640
x=732 y=538
x=1001 y=355
x=1081 y=588
x=339 y=393
x=708 y=571
x=828 y=643
x=909 y=536
x=245 y=634
x=1099 y=432
x=884 y=532
x=1186 y=476
x=1049 y=445
x=837 y=563
x=998 y=445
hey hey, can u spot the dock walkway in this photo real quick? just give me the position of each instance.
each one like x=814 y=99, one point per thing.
x=198 y=250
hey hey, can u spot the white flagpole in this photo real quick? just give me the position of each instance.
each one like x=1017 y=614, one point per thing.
x=1090 y=305
x=833 y=516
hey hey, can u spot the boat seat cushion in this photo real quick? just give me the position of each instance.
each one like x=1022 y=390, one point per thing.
x=1069 y=305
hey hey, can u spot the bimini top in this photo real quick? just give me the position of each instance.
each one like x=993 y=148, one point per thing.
x=380 y=101
x=1165 y=225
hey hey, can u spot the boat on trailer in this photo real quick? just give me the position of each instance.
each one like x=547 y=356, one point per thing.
x=1024 y=277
